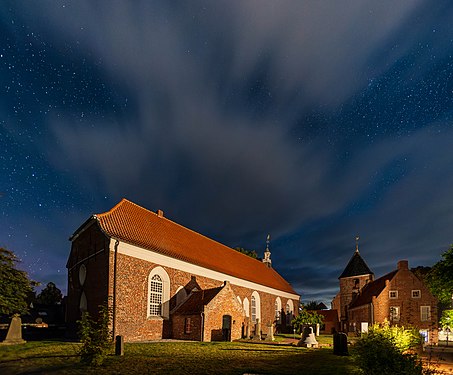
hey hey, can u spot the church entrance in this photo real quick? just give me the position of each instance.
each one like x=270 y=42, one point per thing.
x=226 y=328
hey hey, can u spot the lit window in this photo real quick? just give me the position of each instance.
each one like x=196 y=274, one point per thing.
x=394 y=314
x=393 y=294
x=425 y=313
x=416 y=294
x=155 y=296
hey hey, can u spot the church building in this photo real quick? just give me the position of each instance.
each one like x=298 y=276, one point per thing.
x=163 y=280
x=399 y=297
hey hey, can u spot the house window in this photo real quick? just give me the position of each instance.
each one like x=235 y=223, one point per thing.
x=155 y=296
x=187 y=326
x=393 y=294
x=425 y=313
x=253 y=309
x=416 y=294
x=394 y=314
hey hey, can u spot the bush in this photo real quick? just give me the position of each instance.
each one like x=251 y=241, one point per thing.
x=385 y=350
x=95 y=336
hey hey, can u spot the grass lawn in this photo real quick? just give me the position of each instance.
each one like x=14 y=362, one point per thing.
x=53 y=357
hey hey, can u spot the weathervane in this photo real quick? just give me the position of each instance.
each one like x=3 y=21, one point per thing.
x=357 y=238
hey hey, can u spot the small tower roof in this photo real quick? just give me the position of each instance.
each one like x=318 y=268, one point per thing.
x=356 y=265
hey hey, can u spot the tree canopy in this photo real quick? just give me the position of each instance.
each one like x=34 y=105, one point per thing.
x=251 y=253
x=440 y=278
x=15 y=286
x=305 y=318
x=50 y=295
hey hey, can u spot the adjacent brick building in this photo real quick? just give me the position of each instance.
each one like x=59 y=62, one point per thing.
x=163 y=280
x=398 y=297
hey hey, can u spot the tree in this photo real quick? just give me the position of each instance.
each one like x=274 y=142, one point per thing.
x=251 y=253
x=386 y=351
x=446 y=321
x=95 y=336
x=306 y=318
x=15 y=286
x=50 y=295
x=440 y=279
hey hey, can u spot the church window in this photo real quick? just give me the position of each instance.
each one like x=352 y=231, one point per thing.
x=246 y=307
x=82 y=274
x=155 y=296
x=289 y=311
x=253 y=309
x=158 y=293
x=278 y=310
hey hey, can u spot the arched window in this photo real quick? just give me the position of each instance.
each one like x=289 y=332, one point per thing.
x=278 y=310
x=158 y=293
x=239 y=300
x=255 y=307
x=155 y=296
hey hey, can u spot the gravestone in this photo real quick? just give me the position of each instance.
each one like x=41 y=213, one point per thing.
x=119 y=345
x=270 y=333
x=340 y=344
x=257 y=334
x=14 y=335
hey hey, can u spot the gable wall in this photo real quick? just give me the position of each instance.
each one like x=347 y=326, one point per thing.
x=404 y=282
x=90 y=248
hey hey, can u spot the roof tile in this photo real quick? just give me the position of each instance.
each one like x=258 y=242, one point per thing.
x=136 y=225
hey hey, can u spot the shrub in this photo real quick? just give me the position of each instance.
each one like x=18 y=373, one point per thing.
x=95 y=336
x=385 y=350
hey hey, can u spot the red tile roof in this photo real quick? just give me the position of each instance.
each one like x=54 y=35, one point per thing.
x=197 y=300
x=373 y=288
x=138 y=226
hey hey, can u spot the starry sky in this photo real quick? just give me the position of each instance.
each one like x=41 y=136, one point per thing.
x=313 y=121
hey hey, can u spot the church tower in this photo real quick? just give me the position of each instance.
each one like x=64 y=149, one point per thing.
x=354 y=277
x=267 y=253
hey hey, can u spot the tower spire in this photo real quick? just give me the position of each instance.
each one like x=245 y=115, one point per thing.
x=357 y=238
x=267 y=254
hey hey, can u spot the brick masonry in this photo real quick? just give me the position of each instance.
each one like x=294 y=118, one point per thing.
x=126 y=289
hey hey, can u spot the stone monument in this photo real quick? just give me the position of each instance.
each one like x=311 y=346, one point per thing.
x=14 y=335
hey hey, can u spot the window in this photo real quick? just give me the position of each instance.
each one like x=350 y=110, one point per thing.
x=393 y=294
x=187 y=326
x=278 y=310
x=416 y=294
x=158 y=293
x=155 y=296
x=253 y=309
x=425 y=313
x=394 y=314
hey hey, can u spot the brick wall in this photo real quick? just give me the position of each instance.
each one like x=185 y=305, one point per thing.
x=131 y=285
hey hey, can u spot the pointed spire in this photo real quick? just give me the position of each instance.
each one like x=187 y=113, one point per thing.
x=357 y=238
x=267 y=253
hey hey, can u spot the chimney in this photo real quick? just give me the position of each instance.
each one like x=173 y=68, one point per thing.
x=403 y=265
x=160 y=213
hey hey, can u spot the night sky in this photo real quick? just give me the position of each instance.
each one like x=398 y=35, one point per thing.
x=313 y=121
